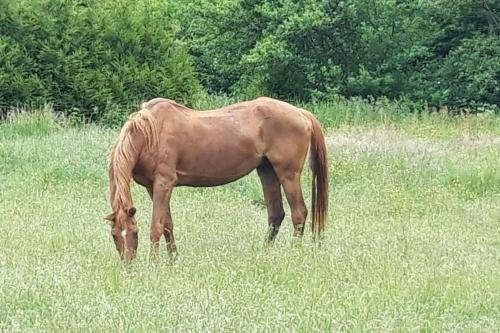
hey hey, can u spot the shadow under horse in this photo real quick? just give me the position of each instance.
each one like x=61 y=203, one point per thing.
x=166 y=144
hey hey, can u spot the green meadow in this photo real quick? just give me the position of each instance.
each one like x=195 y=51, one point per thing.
x=412 y=242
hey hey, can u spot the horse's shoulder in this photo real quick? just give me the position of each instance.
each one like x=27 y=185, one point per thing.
x=264 y=101
x=164 y=103
x=163 y=107
x=154 y=102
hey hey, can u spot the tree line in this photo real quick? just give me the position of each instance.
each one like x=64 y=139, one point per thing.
x=93 y=57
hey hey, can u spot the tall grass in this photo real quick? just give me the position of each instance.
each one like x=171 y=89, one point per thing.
x=21 y=122
x=412 y=244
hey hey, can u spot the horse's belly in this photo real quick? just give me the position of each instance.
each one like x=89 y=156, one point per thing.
x=204 y=181
x=217 y=167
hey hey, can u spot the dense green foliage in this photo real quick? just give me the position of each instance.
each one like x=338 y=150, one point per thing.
x=90 y=56
x=98 y=58
x=443 y=52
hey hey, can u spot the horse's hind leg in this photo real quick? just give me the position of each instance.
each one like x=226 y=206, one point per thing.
x=293 y=192
x=289 y=177
x=288 y=169
x=272 y=196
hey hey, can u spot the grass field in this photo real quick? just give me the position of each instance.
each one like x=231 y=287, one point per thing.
x=412 y=244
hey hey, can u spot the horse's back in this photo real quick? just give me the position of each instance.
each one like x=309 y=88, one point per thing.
x=261 y=108
x=255 y=125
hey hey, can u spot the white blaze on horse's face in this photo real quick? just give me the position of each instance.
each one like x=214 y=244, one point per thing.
x=125 y=233
x=126 y=242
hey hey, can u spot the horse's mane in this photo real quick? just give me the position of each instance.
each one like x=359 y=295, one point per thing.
x=124 y=155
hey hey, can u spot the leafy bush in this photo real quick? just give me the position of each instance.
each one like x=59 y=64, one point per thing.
x=317 y=49
x=472 y=72
x=91 y=56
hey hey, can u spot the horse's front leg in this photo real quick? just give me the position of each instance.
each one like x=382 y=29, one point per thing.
x=162 y=220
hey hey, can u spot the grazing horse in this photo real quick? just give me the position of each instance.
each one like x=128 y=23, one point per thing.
x=166 y=144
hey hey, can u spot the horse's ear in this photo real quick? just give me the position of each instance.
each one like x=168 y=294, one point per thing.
x=110 y=217
x=131 y=211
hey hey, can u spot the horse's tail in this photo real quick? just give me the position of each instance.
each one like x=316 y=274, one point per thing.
x=319 y=167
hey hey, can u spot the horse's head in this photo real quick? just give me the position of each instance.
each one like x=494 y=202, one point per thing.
x=125 y=232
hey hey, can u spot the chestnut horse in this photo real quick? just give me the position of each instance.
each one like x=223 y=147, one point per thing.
x=166 y=144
